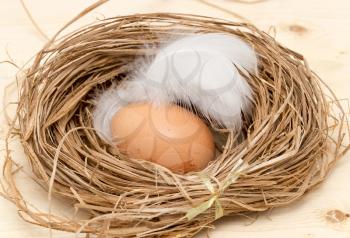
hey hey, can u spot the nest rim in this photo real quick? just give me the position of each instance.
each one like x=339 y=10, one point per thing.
x=275 y=166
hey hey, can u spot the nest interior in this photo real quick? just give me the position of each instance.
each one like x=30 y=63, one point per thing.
x=288 y=147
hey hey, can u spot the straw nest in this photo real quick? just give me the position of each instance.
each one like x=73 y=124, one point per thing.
x=287 y=148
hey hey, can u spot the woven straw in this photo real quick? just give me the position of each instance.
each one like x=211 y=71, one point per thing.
x=287 y=148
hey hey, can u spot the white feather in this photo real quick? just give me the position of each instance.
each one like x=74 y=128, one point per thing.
x=199 y=70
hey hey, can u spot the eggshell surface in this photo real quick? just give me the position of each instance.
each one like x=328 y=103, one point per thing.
x=166 y=134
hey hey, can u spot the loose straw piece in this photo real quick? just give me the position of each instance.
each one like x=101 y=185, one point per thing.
x=223 y=9
x=35 y=24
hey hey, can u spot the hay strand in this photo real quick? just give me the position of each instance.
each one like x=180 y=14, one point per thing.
x=293 y=140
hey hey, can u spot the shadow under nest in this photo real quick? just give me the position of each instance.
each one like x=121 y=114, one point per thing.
x=289 y=145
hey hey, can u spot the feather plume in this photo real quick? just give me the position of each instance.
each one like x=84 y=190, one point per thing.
x=200 y=70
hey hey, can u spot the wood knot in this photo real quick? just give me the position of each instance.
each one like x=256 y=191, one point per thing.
x=298 y=29
x=336 y=216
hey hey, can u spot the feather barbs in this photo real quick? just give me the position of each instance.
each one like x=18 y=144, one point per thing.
x=199 y=70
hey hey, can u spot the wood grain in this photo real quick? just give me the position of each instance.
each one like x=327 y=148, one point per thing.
x=318 y=29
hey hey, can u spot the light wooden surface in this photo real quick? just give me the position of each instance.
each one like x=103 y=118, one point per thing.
x=318 y=29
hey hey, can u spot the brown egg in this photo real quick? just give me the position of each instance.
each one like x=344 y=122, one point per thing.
x=165 y=134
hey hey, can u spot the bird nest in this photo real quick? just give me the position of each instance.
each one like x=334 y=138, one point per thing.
x=285 y=149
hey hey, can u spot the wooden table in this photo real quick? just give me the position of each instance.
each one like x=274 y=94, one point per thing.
x=318 y=29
